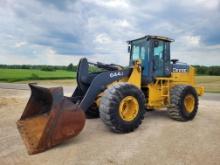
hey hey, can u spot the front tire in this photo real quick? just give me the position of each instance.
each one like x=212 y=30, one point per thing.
x=92 y=112
x=122 y=107
x=184 y=101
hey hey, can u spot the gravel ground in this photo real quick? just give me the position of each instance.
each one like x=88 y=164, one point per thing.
x=159 y=140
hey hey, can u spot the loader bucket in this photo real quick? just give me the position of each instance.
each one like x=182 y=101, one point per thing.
x=49 y=118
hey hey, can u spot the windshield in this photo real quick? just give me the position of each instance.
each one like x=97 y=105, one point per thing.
x=138 y=50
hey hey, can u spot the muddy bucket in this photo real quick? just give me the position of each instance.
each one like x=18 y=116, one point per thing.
x=49 y=118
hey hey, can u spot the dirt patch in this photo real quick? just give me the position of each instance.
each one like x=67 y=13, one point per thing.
x=68 y=82
x=5 y=101
x=159 y=140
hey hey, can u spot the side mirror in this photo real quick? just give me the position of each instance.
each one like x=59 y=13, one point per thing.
x=129 y=48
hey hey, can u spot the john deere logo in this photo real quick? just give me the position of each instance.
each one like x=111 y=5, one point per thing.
x=115 y=74
x=179 y=70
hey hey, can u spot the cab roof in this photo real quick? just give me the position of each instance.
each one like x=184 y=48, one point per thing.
x=147 y=37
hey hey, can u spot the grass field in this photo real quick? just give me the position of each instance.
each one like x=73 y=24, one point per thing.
x=13 y=75
x=211 y=83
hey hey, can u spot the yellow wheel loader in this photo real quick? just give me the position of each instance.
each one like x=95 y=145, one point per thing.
x=120 y=96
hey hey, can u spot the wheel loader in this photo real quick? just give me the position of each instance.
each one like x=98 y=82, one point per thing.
x=119 y=95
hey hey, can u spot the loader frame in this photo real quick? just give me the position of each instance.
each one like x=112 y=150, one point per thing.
x=99 y=84
x=159 y=91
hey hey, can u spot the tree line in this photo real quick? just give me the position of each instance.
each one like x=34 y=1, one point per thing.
x=208 y=70
x=201 y=70
x=69 y=67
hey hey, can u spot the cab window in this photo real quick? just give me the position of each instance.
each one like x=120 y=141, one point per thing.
x=139 y=50
x=158 y=55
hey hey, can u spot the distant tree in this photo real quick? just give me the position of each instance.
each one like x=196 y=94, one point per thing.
x=94 y=69
x=70 y=67
x=48 y=68
x=202 y=70
x=214 y=70
x=25 y=67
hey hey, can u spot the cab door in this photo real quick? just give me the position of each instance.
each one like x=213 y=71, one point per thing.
x=160 y=58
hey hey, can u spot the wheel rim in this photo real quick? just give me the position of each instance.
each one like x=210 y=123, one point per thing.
x=128 y=108
x=189 y=103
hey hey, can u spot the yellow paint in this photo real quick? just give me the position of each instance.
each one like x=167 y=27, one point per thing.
x=135 y=77
x=159 y=91
x=189 y=103
x=98 y=99
x=200 y=90
x=128 y=108
x=184 y=77
x=187 y=78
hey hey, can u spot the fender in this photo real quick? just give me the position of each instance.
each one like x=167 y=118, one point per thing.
x=99 y=83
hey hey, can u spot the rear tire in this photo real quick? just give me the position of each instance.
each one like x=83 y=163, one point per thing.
x=184 y=101
x=115 y=115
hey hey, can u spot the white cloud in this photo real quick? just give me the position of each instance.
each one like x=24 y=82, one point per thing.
x=48 y=57
x=206 y=57
x=110 y=3
x=20 y=44
x=122 y=23
x=205 y=4
x=103 y=39
x=191 y=41
x=41 y=32
x=52 y=58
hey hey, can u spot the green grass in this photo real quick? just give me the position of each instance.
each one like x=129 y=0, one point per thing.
x=211 y=83
x=13 y=75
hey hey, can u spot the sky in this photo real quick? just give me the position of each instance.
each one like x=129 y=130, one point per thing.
x=56 y=32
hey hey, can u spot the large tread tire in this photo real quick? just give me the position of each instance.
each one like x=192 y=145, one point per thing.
x=92 y=112
x=109 y=107
x=178 y=111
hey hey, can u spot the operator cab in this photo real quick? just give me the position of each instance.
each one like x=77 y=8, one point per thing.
x=154 y=53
